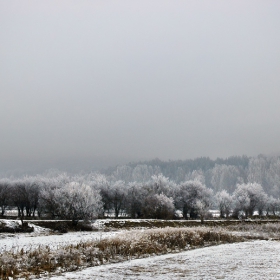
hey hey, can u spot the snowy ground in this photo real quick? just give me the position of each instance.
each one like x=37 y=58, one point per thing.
x=44 y=237
x=255 y=259
x=248 y=260
x=54 y=241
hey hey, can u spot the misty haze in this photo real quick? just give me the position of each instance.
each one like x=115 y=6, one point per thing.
x=123 y=115
x=106 y=83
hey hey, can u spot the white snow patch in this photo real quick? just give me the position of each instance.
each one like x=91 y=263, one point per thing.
x=44 y=237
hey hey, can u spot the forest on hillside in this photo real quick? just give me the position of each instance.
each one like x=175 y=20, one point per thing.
x=219 y=174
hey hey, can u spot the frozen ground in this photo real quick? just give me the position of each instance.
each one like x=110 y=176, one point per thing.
x=20 y=240
x=255 y=260
x=247 y=260
x=44 y=237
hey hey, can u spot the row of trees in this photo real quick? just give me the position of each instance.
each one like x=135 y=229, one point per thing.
x=56 y=197
x=93 y=195
x=219 y=174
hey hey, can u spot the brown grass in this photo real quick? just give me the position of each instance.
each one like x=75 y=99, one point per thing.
x=146 y=223
x=129 y=245
x=257 y=230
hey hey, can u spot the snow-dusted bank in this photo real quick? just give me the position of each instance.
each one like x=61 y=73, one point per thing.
x=39 y=260
x=247 y=260
x=44 y=237
x=44 y=253
x=53 y=241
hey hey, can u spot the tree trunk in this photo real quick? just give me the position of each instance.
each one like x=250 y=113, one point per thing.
x=202 y=219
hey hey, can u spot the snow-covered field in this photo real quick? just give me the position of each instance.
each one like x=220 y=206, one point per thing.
x=44 y=237
x=255 y=259
x=247 y=260
x=53 y=241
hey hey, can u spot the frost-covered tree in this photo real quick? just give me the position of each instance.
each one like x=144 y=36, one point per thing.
x=272 y=206
x=225 y=177
x=160 y=184
x=250 y=197
x=114 y=196
x=135 y=198
x=73 y=200
x=203 y=203
x=158 y=206
x=194 y=199
x=97 y=181
x=79 y=202
x=142 y=173
x=19 y=196
x=49 y=201
x=241 y=200
x=257 y=170
x=49 y=198
x=118 y=195
x=196 y=175
x=224 y=202
x=100 y=183
x=33 y=185
x=272 y=175
x=122 y=173
x=180 y=175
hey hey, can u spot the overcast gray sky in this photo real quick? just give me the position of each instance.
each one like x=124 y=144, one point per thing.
x=128 y=80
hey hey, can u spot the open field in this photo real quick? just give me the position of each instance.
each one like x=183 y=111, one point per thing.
x=156 y=223
x=45 y=253
x=248 y=260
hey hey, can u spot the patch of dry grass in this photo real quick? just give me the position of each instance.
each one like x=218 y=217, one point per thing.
x=257 y=230
x=151 y=223
x=129 y=245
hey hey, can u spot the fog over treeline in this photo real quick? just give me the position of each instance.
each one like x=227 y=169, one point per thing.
x=238 y=185
x=90 y=84
x=216 y=174
x=219 y=174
